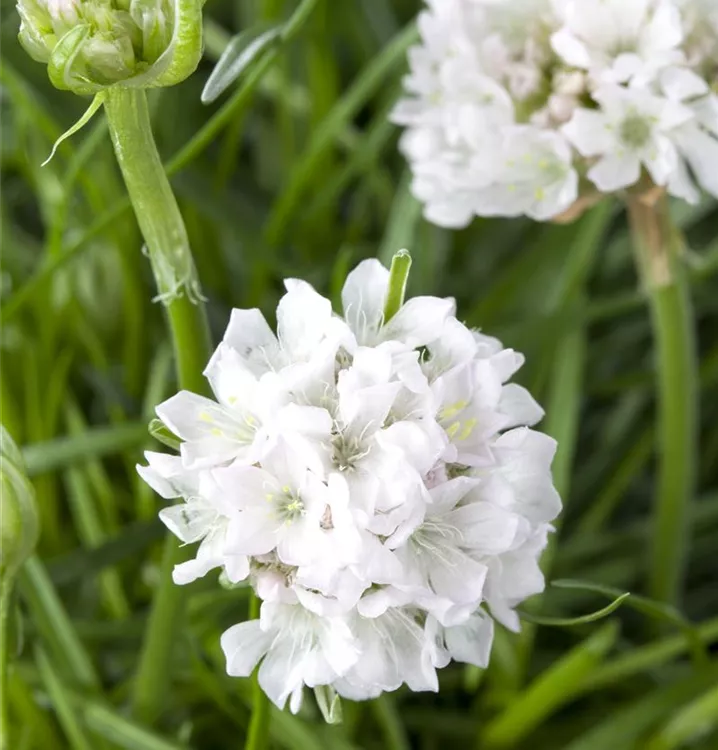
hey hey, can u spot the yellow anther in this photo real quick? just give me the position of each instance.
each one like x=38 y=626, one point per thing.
x=453 y=409
x=217 y=432
x=205 y=416
x=468 y=428
x=452 y=429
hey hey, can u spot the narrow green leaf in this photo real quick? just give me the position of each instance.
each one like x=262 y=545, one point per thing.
x=656 y=610
x=698 y=719
x=121 y=731
x=242 y=50
x=55 y=626
x=342 y=113
x=570 y=621
x=552 y=689
x=624 y=729
x=41 y=458
x=390 y=721
x=133 y=539
x=646 y=658
x=57 y=692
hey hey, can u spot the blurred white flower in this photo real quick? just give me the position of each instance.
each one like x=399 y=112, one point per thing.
x=374 y=479
x=493 y=81
x=619 y=41
x=632 y=129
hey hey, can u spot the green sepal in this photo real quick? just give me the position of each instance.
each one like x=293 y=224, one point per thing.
x=59 y=67
x=86 y=117
x=185 y=49
x=161 y=432
x=329 y=703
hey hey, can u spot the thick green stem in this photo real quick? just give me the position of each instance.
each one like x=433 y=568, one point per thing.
x=259 y=723
x=657 y=245
x=167 y=244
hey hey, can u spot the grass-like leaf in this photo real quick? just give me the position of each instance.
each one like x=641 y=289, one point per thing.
x=242 y=50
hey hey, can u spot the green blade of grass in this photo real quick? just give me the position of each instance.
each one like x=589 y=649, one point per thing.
x=344 y=110
x=625 y=728
x=550 y=690
x=43 y=458
x=65 y=711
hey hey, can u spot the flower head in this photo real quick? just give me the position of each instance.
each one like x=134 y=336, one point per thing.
x=89 y=45
x=372 y=476
x=537 y=108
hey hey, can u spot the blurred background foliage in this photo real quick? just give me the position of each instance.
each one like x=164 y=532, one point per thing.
x=304 y=179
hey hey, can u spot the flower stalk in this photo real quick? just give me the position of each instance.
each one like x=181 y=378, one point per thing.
x=258 y=731
x=169 y=252
x=658 y=244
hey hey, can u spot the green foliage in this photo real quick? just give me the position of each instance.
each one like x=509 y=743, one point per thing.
x=294 y=171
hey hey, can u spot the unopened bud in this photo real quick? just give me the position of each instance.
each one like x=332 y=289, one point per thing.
x=89 y=45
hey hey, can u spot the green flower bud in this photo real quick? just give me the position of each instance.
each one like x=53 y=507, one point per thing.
x=89 y=45
x=19 y=526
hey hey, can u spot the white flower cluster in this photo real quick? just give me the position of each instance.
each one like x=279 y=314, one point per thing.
x=374 y=480
x=521 y=107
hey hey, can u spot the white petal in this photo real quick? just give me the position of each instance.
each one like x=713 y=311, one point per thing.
x=303 y=318
x=188 y=521
x=236 y=567
x=244 y=645
x=661 y=160
x=570 y=48
x=250 y=335
x=680 y=84
x=701 y=151
x=681 y=184
x=588 y=131
x=190 y=571
x=167 y=476
x=421 y=447
x=364 y=296
x=420 y=321
x=485 y=528
x=454 y=213
x=282 y=670
x=457 y=577
x=471 y=643
x=519 y=405
x=254 y=532
x=615 y=172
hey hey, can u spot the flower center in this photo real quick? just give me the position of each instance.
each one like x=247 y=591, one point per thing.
x=347 y=451
x=635 y=131
x=288 y=505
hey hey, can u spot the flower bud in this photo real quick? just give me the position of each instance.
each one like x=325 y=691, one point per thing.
x=89 y=45
x=19 y=527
